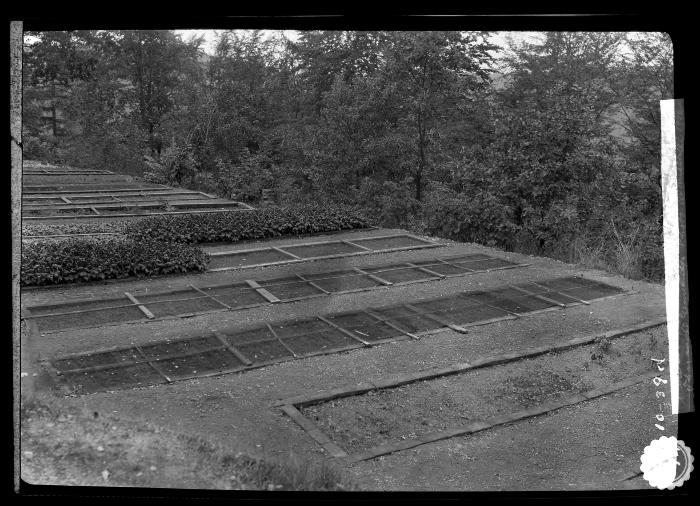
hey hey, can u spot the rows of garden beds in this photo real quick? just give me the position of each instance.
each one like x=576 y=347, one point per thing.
x=164 y=244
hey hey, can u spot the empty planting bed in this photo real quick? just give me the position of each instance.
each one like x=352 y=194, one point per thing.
x=118 y=186
x=63 y=172
x=74 y=179
x=61 y=199
x=394 y=414
x=226 y=260
x=240 y=349
x=127 y=208
x=204 y=299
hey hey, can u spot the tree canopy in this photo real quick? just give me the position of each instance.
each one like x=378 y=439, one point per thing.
x=547 y=146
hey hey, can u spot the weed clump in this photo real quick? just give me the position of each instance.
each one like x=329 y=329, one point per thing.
x=603 y=348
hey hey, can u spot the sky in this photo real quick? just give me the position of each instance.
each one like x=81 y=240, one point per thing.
x=211 y=35
x=499 y=38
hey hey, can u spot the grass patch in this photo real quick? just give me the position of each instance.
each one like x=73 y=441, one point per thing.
x=63 y=445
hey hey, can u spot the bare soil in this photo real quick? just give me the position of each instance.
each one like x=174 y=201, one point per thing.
x=64 y=446
x=383 y=416
x=594 y=445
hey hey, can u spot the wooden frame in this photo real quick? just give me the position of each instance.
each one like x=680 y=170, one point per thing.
x=295 y=259
x=253 y=284
x=249 y=364
x=136 y=215
x=291 y=405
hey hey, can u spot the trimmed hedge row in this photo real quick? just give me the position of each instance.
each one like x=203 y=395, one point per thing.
x=244 y=225
x=88 y=259
x=73 y=228
x=165 y=244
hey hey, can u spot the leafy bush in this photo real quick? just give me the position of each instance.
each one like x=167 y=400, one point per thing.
x=37 y=147
x=479 y=218
x=72 y=260
x=242 y=225
x=73 y=228
x=390 y=204
x=247 y=177
x=179 y=164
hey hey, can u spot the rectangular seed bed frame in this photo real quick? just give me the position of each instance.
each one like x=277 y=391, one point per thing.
x=260 y=257
x=119 y=205
x=59 y=199
x=226 y=351
x=292 y=406
x=185 y=303
x=41 y=189
x=93 y=212
x=43 y=172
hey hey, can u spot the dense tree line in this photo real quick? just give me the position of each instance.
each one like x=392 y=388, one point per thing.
x=550 y=146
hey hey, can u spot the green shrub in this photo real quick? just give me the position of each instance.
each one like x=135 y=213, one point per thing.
x=479 y=218
x=73 y=260
x=73 y=228
x=244 y=225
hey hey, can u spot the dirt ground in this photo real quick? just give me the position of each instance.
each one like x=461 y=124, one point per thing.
x=64 y=446
x=574 y=448
x=386 y=416
x=589 y=446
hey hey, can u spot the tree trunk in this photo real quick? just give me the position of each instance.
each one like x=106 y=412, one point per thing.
x=54 y=120
x=418 y=177
x=418 y=180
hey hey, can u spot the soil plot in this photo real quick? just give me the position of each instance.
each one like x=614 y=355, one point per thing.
x=391 y=415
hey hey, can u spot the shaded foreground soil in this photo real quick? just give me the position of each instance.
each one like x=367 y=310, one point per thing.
x=360 y=422
x=69 y=446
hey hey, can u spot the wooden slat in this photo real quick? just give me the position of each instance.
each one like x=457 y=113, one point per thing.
x=537 y=296
x=342 y=330
x=562 y=293
x=436 y=318
x=390 y=324
x=284 y=252
x=309 y=282
x=276 y=336
x=425 y=269
x=210 y=296
x=372 y=276
x=153 y=366
x=467 y=269
x=143 y=308
x=350 y=243
x=262 y=291
x=240 y=356
x=310 y=428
